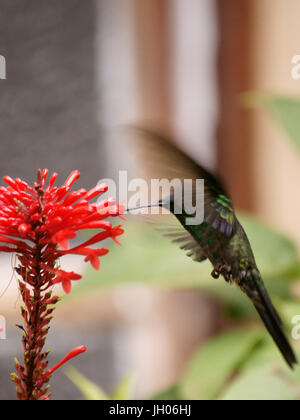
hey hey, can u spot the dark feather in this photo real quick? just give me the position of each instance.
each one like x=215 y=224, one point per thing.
x=271 y=320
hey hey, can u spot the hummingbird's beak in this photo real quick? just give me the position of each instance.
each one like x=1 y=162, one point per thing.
x=146 y=206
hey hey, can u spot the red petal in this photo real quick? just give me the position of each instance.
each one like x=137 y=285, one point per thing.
x=100 y=189
x=73 y=353
x=94 y=260
x=72 y=178
x=11 y=182
x=67 y=285
x=23 y=228
x=64 y=244
x=52 y=180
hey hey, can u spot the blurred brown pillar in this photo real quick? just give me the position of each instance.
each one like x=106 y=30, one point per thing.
x=234 y=69
x=152 y=46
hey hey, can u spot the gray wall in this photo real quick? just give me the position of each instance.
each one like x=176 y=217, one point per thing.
x=48 y=104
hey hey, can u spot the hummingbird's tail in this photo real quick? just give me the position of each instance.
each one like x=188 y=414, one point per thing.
x=272 y=321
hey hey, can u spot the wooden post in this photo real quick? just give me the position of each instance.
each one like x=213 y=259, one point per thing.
x=151 y=30
x=234 y=146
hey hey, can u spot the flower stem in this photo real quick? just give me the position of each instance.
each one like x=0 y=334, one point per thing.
x=31 y=381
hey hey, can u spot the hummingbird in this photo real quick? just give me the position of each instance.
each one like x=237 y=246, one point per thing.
x=220 y=238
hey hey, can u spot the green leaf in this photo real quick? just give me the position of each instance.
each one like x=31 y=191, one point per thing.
x=275 y=254
x=265 y=355
x=124 y=391
x=284 y=110
x=290 y=309
x=263 y=384
x=170 y=394
x=89 y=390
x=268 y=356
x=216 y=362
x=265 y=358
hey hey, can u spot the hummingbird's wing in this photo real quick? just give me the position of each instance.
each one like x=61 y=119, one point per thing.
x=187 y=242
x=161 y=159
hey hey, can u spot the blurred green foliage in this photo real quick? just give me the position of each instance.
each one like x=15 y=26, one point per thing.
x=283 y=109
x=217 y=360
x=92 y=392
x=241 y=364
x=89 y=390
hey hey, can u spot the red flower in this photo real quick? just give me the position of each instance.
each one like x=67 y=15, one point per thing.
x=37 y=224
x=51 y=216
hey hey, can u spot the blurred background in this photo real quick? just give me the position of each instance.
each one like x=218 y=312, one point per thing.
x=76 y=71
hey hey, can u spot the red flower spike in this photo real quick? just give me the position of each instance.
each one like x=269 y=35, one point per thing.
x=37 y=224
